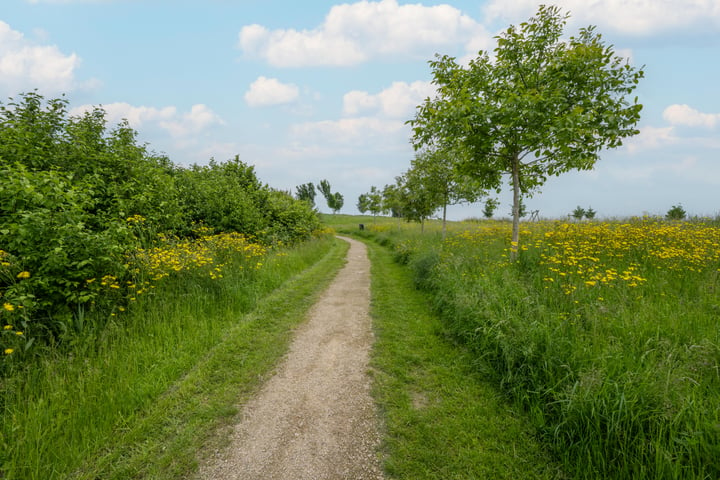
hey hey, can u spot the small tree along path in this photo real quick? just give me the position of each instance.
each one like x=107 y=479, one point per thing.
x=315 y=419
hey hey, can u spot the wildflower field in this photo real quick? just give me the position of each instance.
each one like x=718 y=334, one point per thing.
x=607 y=334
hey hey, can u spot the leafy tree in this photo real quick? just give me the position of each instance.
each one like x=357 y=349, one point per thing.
x=375 y=203
x=578 y=213
x=590 y=213
x=677 y=212
x=491 y=204
x=443 y=185
x=392 y=198
x=334 y=201
x=337 y=202
x=540 y=107
x=363 y=203
x=306 y=192
x=418 y=201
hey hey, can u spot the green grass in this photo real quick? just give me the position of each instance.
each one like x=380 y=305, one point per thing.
x=142 y=399
x=618 y=372
x=442 y=420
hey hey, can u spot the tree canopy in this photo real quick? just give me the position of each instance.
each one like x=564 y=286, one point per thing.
x=540 y=106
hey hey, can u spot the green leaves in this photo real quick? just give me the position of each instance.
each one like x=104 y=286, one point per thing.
x=542 y=107
x=76 y=197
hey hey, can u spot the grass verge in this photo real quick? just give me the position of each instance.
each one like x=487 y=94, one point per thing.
x=441 y=420
x=142 y=402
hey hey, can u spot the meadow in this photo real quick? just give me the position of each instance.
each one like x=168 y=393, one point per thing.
x=606 y=334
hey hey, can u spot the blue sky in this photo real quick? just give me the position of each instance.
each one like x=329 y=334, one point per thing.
x=320 y=89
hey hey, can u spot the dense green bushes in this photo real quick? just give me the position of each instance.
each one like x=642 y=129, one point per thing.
x=77 y=197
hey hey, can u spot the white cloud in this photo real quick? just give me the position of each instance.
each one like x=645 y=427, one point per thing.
x=198 y=119
x=25 y=66
x=397 y=101
x=632 y=17
x=350 y=131
x=652 y=137
x=136 y=116
x=353 y=33
x=270 y=91
x=688 y=116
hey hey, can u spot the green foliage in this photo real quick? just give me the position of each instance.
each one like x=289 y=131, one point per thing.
x=435 y=177
x=226 y=196
x=76 y=198
x=363 y=203
x=415 y=196
x=335 y=201
x=578 y=213
x=289 y=221
x=542 y=106
x=372 y=202
x=590 y=213
x=677 y=212
x=491 y=204
x=306 y=192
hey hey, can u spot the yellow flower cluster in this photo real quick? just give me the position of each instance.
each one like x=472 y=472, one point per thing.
x=607 y=253
x=10 y=330
x=136 y=219
x=573 y=256
x=204 y=253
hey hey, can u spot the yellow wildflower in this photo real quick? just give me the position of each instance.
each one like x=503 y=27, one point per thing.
x=8 y=306
x=24 y=274
x=9 y=351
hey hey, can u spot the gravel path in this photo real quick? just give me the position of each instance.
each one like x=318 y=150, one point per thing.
x=315 y=419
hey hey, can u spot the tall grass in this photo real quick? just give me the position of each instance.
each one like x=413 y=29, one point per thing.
x=606 y=333
x=137 y=383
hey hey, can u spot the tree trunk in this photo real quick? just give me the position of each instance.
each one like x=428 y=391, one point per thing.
x=516 y=208
x=444 y=230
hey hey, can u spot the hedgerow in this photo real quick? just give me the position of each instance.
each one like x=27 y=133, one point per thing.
x=79 y=199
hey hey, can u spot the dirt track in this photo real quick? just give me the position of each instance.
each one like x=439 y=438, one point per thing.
x=315 y=419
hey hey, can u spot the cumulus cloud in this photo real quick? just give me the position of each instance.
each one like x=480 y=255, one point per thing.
x=25 y=66
x=631 y=17
x=198 y=119
x=397 y=101
x=688 y=116
x=270 y=91
x=354 y=33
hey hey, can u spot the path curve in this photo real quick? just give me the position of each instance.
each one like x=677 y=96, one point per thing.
x=315 y=418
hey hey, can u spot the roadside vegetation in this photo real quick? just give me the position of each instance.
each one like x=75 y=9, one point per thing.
x=603 y=333
x=136 y=296
x=442 y=418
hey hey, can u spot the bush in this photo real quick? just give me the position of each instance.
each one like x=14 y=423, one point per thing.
x=78 y=199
